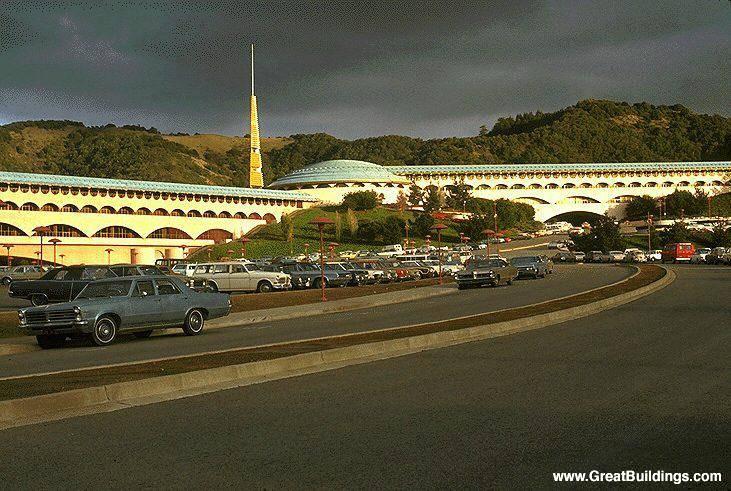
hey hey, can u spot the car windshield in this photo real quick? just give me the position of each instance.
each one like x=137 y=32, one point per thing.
x=334 y=267
x=106 y=289
x=488 y=263
x=521 y=261
x=253 y=267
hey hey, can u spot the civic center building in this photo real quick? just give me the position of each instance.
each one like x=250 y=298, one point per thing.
x=552 y=189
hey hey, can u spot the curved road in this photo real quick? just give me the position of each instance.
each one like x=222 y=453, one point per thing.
x=567 y=280
x=644 y=386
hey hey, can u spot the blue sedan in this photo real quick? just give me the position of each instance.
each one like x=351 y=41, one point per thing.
x=135 y=304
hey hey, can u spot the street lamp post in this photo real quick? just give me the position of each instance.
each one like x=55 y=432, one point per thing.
x=406 y=226
x=428 y=243
x=320 y=223
x=488 y=233
x=7 y=248
x=41 y=231
x=109 y=256
x=244 y=241
x=62 y=256
x=183 y=248
x=649 y=233
x=230 y=253
x=439 y=227
x=307 y=249
x=332 y=246
x=54 y=241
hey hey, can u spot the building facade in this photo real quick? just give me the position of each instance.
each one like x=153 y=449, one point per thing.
x=99 y=220
x=552 y=189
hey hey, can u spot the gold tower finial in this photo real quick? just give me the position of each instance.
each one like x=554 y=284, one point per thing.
x=256 y=179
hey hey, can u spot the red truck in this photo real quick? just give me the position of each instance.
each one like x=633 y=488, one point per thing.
x=676 y=252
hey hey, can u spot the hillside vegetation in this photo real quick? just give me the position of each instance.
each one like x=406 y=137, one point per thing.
x=589 y=131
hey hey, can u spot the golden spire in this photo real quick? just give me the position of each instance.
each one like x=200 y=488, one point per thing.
x=256 y=180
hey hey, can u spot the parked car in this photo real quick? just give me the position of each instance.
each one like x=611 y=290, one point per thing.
x=59 y=284
x=615 y=256
x=677 y=252
x=394 y=273
x=184 y=269
x=138 y=304
x=716 y=255
x=422 y=270
x=308 y=275
x=486 y=271
x=635 y=256
x=654 y=255
x=564 y=257
x=699 y=256
x=594 y=257
x=579 y=256
x=530 y=266
x=237 y=276
x=355 y=275
x=27 y=272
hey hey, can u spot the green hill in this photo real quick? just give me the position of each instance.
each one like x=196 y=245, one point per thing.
x=589 y=131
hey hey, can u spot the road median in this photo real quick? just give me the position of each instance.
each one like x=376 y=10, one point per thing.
x=32 y=399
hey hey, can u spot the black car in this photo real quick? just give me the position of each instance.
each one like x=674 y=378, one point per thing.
x=63 y=284
x=59 y=284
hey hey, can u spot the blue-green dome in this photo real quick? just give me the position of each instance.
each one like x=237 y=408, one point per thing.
x=335 y=171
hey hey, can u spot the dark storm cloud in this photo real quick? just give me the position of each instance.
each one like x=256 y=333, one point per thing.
x=423 y=68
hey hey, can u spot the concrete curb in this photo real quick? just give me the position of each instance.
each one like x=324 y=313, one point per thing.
x=18 y=412
x=280 y=313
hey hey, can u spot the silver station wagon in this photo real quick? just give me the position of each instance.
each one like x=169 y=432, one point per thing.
x=237 y=276
x=138 y=304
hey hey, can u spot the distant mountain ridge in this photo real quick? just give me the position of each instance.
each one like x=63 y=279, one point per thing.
x=589 y=131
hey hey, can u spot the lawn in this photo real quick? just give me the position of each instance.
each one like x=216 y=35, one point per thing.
x=270 y=241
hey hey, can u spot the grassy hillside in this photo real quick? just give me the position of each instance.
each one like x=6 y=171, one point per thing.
x=589 y=131
x=270 y=240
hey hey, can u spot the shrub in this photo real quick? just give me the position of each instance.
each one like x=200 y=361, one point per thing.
x=361 y=200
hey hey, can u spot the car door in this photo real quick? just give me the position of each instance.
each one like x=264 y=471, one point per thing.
x=145 y=305
x=173 y=302
x=239 y=278
x=220 y=274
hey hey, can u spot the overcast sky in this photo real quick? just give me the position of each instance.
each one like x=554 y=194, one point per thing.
x=354 y=68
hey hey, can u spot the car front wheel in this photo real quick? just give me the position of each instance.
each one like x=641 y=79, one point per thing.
x=193 y=323
x=105 y=332
x=264 y=287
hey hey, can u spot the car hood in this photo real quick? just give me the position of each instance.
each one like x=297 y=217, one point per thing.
x=82 y=304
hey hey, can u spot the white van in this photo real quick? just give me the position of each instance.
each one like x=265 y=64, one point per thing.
x=391 y=250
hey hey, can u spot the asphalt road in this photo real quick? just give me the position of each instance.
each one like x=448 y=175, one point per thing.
x=567 y=280
x=643 y=386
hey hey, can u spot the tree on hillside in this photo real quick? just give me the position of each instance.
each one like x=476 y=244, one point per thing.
x=604 y=236
x=421 y=225
x=458 y=196
x=685 y=203
x=352 y=222
x=402 y=201
x=433 y=200
x=416 y=195
x=286 y=226
x=338 y=226
x=640 y=206
x=677 y=233
x=720 y=236
x=361 y=200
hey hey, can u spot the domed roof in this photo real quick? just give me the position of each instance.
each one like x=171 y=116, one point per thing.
x=334 y=171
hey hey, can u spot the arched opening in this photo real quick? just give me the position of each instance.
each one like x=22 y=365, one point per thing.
x=194 y=214
x=576 y=218
x=117 y=232
x=107 y=210
x=224 y=214
x=625 y=198
x=602 y=185
x=635 y=185
x=177 y=213
x=569 y=185
x=529 y=200
x=270 y=218
x=585 y=185
x=7 y=230
x=8 y=205
x=160 y=212
x=551 y=185
x=240 y=215
x=578 y=199
x=209 y=214
x=483 y=187
x=535 y=185
x=667 y=184
x=125 y=210
x=217 y=235
x=501 y=186
x=168 y=233
x=29 y=207
x=651 y=184
x=684 y=184
x=143 y=211
x=69 y=209
x=49 y=207
x=618 y=184
x=517 y=186
x=61 y=230
x=88 y=209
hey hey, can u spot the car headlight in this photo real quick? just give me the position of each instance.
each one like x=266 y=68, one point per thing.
x=21 y=316
x=77 y=311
